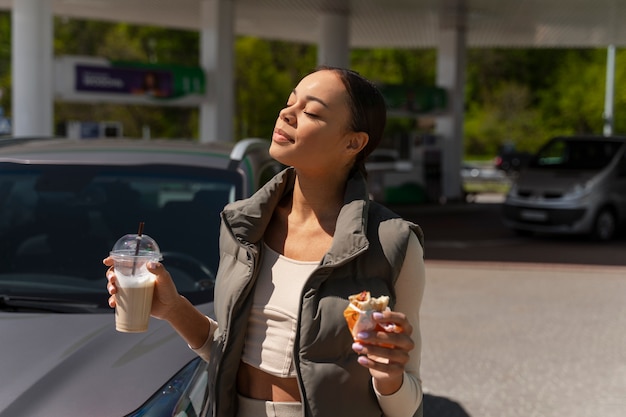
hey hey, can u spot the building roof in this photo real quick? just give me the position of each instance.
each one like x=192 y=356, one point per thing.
x=386 y=23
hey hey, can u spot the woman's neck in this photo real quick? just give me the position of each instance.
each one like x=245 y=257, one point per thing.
x=303 y=224
x=320 y=198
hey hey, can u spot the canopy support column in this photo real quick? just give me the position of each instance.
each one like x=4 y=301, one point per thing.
x=609 y=93
x=32 y=66
x=217 y=60
x=451 y=60
x=334 y=39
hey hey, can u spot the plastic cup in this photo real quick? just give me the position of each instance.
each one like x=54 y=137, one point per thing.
x=135 y=284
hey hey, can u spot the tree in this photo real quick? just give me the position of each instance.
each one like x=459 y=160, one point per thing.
x=266 y=73
x=575 y=101
x=526 y=96
x=5 y=62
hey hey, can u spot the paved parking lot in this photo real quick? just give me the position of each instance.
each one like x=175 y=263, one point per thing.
x=520 y=327
x=513 y=340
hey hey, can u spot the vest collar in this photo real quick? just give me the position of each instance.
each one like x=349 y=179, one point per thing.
x=248 y=219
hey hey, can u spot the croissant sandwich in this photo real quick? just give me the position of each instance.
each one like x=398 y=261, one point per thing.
x=364 y=301
x=358 y=314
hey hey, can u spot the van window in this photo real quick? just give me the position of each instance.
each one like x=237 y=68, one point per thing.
x=576 y=154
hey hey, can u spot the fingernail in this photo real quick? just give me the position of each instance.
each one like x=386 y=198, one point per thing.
x=152 y=264
x=357 y=347
x=362 y=335
x=362 y=360
x=377 y=315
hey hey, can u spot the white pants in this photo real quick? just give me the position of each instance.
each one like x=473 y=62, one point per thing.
x=249 y=407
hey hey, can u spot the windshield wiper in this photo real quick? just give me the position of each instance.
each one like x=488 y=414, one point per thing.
x=21 y=303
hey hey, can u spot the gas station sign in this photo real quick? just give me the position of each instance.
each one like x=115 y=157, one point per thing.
x=99 y=80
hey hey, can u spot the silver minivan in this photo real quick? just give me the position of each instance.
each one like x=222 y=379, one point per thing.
x=572 y=185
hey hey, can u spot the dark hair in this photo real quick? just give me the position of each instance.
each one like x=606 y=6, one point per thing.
x=367 y=107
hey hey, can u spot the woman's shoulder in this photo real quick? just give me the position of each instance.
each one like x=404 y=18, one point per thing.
x=390 y=225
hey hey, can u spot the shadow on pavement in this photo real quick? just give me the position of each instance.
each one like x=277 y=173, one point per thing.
x=476 y=232
x=442 y=407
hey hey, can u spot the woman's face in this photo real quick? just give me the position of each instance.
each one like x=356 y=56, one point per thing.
x=312 y=132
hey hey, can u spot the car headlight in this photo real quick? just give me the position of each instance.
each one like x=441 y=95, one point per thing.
x=578 y=190
x=182 y=396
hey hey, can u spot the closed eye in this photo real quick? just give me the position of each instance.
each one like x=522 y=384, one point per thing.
x=311 y=115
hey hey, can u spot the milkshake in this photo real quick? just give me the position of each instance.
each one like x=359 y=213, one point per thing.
x=135 y=284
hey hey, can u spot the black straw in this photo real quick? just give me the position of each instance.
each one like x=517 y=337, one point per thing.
x=138 y=238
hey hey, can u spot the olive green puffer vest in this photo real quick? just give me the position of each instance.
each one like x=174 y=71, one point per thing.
x=367 y=253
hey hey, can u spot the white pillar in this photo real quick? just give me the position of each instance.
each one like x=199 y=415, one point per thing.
x=334 y=39
x=217 y=60
x=609 y=91
x=451 y=60
x=32 y=66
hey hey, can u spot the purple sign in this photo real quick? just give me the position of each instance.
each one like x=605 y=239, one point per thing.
x=101 y=79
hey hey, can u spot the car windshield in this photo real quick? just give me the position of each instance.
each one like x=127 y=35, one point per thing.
x=57 y=223
x=590 y=154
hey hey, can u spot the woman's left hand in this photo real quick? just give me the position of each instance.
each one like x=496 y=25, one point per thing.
x=386 y=352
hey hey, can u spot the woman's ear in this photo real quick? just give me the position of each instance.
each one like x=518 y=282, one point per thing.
x=357 y=141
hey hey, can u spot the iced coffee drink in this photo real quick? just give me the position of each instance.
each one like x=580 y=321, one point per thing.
x=135 y=284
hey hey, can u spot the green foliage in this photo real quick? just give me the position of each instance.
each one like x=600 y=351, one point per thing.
x=264 y=81
x=5 y=62
x=506 y=117
x=526 y=96
x=295 y=59
x=576 y=99
x=414 y=67
x=620 y=93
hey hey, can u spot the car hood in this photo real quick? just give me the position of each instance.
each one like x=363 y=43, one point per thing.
x=78 y=364
x=552 y=181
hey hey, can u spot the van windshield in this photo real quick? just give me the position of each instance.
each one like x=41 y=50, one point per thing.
x=563 y=153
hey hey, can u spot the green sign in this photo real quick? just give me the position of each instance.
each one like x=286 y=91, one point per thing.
x=414 y=100
x=166 y=81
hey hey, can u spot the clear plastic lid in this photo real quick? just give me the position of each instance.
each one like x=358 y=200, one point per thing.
x=136 y=245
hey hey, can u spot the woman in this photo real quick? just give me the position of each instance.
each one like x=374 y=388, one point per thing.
x=291 y=255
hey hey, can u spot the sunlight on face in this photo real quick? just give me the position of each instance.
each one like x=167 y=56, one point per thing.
x=311 y=131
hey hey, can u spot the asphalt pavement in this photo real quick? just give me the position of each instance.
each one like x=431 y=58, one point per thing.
x=517 y=326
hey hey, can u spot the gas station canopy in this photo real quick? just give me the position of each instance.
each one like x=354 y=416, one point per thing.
x=335 y=26
x=385 y=23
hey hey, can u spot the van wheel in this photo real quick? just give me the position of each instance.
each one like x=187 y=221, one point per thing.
x=605 y=225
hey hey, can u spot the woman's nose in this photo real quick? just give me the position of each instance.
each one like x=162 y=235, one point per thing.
x=287 y=116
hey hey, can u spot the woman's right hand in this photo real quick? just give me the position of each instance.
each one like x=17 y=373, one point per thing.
x=165 y=298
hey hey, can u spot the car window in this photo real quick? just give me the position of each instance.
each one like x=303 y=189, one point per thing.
x=57 y=223
x=576 y=154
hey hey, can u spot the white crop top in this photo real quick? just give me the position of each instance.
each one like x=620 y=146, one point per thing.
x=272 y=324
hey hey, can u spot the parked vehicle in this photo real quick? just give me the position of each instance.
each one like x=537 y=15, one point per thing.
x=511 y=161
x=63 y=204
x=573 y=185
x=478 y=172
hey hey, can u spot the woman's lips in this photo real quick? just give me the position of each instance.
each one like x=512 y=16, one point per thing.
x=281 y=137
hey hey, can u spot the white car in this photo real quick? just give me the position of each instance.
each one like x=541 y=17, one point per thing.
x=63 y=204
x=573 y=185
